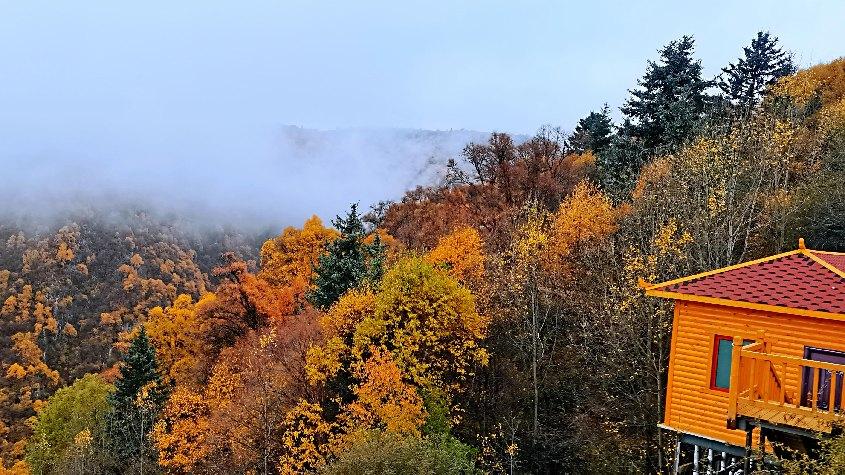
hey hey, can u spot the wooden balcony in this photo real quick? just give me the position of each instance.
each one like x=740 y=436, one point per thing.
x=783 y=390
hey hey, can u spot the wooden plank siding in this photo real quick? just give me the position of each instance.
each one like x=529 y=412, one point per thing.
x=691 y=406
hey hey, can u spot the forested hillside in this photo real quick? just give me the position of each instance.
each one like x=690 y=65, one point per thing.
x=489 y=324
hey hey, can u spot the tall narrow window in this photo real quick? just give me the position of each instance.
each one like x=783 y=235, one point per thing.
x=720 y=376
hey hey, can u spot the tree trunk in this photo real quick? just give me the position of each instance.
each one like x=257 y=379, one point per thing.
x=534 y=343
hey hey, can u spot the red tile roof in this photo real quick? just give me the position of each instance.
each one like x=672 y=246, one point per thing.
x=793 y=280
x=833 y=258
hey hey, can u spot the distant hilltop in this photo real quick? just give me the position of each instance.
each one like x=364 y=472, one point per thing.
x=249 y=177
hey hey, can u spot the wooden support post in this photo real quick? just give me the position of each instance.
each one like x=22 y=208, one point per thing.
x=762 y=447
x=722 y=462
x=695 y=460
x=746 y=464
x=676 y=471
x=709 y=461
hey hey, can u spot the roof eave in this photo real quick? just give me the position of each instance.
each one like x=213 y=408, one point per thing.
x=654 y=292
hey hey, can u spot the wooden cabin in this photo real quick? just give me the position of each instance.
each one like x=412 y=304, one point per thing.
x=757 y=354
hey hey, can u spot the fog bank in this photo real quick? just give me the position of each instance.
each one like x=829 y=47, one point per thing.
x=245 y=176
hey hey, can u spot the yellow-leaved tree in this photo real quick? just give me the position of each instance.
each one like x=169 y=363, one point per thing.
x=417 y=333
x=587 y=214
x=287 y=260
x=175 y=332
x=338 y=329
x=428 y=322
x=383 y=398
x=462 y=252
x=181 y=436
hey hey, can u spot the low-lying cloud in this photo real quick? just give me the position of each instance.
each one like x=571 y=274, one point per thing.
x=239 y=176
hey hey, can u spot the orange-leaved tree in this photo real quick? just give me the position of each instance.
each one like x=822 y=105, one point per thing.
x=383 y=398
x=462 y=252
x=243 y=302
x=238 y=417
x=176 y=334
x=587 y=214
x=288 y=259
x=181 y=435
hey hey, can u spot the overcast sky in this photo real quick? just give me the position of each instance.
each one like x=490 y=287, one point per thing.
x=94 y=84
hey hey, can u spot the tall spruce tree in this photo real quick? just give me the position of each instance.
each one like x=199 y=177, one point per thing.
x=593 y=132
x=764 y=62
x=662 y=113
x=348 y=261
x=138 y=397
x=619 y=164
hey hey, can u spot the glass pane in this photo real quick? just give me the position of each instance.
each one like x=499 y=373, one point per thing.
x=723 y=364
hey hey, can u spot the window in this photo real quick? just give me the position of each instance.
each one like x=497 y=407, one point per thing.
x=720 y=377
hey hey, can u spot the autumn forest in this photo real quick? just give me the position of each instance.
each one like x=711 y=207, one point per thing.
x=489 y=322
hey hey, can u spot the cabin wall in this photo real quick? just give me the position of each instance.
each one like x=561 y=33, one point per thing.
x=691 y=406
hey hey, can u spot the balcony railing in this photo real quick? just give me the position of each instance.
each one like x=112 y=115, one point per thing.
x=784 y=390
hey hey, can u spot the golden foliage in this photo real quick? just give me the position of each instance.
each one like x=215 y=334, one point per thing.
x=15 y=371
x=304 y=440
x=825 y=81
x=69 y=330
x=669 y=244
x=581 y=163
x=587 y=214
x=180 y=436
x=136 y=260
x=253 y=385
x=64 y=253
x=529 y=248
x=383 y=399
x=462 y=251
x=18 y=468
x=651 y=176
x=393 y=248
x=176 y=334
x=287 y=260
x=338 y=326
x=31 y=357
x=427 y=321
x=832 y=118
x=420 y=329
x=345 y=315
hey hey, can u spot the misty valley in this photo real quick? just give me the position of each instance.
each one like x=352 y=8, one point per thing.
x=382 y=300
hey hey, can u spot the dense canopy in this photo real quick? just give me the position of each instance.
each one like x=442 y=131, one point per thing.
x=489 y=322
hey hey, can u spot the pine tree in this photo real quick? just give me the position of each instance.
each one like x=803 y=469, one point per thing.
x=348 y=261
x=593 y=132
x=745 y=81
x=619 y=164
x=661 y=115
x=138 y=397
x=138 y=369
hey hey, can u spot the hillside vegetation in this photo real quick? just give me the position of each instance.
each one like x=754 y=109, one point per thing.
x=491 y=323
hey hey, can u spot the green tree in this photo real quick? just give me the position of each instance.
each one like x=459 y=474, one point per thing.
x=593 y=132
x=763 y=63
x=662 y=113
x=139 y=395
x=429 y=323
x=72 y=414
x=348 y=261
x=390 y=452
